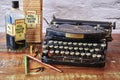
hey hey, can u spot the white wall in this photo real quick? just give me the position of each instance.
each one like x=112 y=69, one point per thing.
x=73 y=9
x=83 y=9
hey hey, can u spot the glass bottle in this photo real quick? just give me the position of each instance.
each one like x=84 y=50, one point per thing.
x=15 y=27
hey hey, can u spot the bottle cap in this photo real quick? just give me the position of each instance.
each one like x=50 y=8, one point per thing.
x=15 y=4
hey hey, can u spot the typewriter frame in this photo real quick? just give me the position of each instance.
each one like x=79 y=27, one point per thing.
x=105 y=26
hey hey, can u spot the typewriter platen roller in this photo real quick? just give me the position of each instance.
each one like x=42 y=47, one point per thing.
x=72 y=42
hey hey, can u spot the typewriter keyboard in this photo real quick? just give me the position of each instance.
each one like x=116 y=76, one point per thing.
x=80 y=53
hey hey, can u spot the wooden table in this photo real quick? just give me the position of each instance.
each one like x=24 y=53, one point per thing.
x=12 y=66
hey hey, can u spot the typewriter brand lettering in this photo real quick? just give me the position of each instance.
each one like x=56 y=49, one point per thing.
x=69 y=35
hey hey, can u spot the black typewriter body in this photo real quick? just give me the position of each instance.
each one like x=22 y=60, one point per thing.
x=77 y=42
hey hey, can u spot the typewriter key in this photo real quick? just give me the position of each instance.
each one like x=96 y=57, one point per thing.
x=50 y=42
x=88 y=54
x=97 y=49
x=84 y=44
x=55 y=42
x=51 y=46
x=99 y=56
x=75 y=48
x=80 y=48
x=62 y=52
x=51 y=51
x=72 y=53
x=94 y=44
x=91 y=50
x=45 y=42
x=65 y=47
x=44 y=46
x=57 y=51
x=56 y=47
x=61 y=47
x=79 y=44
x=86 y=49
x=60 y=42
x=103 y=45
x=77 y=53
x=94 y=55
x=67 y=52
x=70 y=48
x=69 y=43
x=74 y=43
x=64 y=43
x=82 y=54
x=45 y=51
x=89 y=44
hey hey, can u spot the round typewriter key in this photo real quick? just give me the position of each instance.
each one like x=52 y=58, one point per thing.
x=72 y=53
x=51 y=46
x=84 y=44
x=86 y=49
x=64 y=43
x=44 y=46
x=65 y=47
x=55 y=46
x=55 y=42
x=103 y=45
x=89 y=44
x=88 y=54
x=61 y=47
x=69 y=43
x=80 y=44
x=50 y=42
x=62 y=52
x=97 y=49
x=60 y=42
x=99 y=56
x=45 y=51
x=77 y=53
x=95 y=44
x=74 y=43
x=70 y=48
x=57 y=51
x=67 y=52
x=82 y=54
x=75 y=48
x=80 y=48
x=91 y=50
x=45 y=42
x=51 y=51
x=94 y=55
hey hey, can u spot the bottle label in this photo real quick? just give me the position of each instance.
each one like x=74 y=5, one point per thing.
x=10 y=29
x=31 y=19
x=20 y=29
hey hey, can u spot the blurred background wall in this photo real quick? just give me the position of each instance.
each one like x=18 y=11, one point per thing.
x=72 y=9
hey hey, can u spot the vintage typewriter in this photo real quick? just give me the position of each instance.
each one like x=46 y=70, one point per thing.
x=77 y=42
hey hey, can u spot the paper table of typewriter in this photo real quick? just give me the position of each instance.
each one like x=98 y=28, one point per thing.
x=77 y=42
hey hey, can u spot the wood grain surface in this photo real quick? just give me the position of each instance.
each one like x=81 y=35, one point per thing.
x=12 y=66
